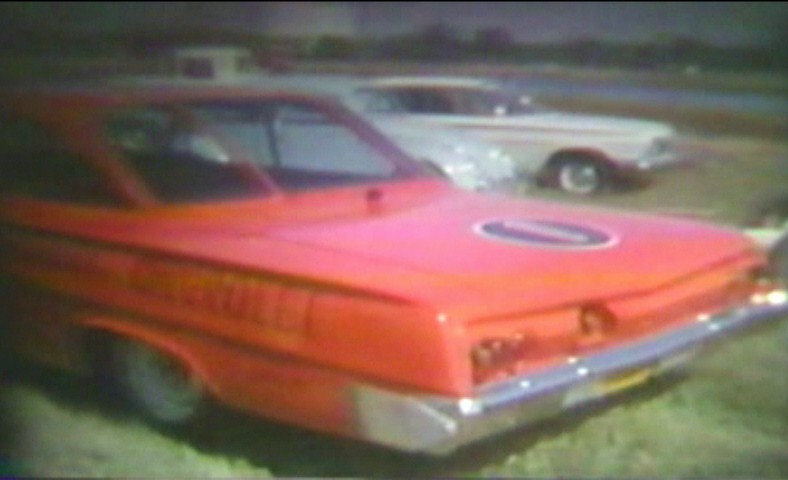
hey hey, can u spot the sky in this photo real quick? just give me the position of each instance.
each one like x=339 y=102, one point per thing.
x=715 y=22
x=723 y=23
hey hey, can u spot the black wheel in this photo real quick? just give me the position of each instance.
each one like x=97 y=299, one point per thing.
x=159 y=385
x=772 y=214
x=778 y=258
x=580 y=175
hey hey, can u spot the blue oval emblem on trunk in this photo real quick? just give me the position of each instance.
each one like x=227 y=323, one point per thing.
x=546 y=234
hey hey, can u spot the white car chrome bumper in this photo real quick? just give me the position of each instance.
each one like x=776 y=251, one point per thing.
x=655 y=162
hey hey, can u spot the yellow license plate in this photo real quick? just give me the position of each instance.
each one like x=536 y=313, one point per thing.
x=623 y=381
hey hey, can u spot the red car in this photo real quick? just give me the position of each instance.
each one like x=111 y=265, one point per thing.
x=274 y=253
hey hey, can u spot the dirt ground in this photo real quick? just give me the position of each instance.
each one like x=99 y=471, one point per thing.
x=727 y=418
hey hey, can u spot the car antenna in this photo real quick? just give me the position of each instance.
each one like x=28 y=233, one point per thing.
x=373 y=196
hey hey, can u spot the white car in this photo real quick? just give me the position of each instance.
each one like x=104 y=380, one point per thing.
x=469 y=162
x=578 y=153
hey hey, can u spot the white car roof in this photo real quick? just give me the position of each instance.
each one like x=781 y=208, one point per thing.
x=430 y=81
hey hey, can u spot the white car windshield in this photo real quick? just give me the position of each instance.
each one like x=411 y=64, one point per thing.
x=438 y=100
x=488 y=101
x=239 y=148
x=375 y=101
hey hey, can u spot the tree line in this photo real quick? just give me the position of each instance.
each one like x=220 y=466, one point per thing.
x=437 y=43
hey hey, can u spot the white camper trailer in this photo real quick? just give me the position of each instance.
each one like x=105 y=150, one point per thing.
x=212 y=62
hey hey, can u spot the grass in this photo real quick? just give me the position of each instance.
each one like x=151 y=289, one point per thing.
x=717 y=121
x=60 y=431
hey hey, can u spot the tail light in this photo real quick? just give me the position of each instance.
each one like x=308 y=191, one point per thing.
x=492 y=356
x=596 y=321
x=551 y=338
x=501 y=356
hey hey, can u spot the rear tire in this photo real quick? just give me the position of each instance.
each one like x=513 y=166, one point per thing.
x=164 y=389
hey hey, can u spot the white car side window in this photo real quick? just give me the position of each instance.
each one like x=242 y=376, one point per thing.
x=425 y=101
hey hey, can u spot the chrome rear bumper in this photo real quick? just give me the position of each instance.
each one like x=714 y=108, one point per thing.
x=439 y=425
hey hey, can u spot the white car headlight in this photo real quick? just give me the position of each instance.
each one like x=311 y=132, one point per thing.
x=659 y=146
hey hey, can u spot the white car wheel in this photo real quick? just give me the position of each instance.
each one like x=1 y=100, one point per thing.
x=157 y=384
x=580 y=176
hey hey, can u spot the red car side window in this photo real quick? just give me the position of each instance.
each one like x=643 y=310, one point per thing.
x=234 y=149
x=35 y=163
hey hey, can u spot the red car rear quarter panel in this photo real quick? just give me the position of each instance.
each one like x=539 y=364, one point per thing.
x=307 y=304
